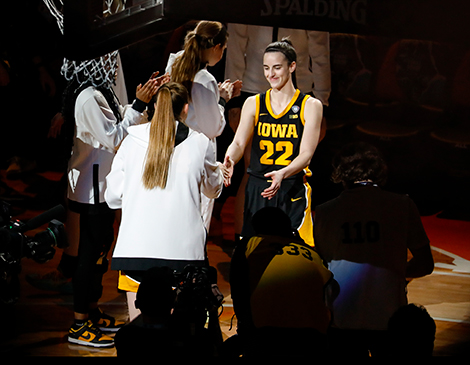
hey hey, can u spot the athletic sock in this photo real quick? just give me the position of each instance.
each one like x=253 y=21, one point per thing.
x=79 y=323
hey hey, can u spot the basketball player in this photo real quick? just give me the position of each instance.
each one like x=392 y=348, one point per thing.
x=284 y=126
x=204 y=46
x=167 y=165
x=98 y=124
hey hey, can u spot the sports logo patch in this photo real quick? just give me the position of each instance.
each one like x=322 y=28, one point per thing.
x=295 y=108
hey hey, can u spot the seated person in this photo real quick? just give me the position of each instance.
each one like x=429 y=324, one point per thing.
x=159 y=330
x=278 y=286
x=151 y=329
x=411 y=332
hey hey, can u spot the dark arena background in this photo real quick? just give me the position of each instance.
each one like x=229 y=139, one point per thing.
x=400 y=73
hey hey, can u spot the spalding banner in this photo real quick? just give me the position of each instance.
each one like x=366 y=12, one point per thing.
x=92 y=31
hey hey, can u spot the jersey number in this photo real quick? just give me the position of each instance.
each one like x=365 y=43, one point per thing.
x=295 y=250
x=282 y=160
x=360 y=232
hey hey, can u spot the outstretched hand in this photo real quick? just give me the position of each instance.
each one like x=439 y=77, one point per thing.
x=224 y=170
x=228 y=170
x=276 y=179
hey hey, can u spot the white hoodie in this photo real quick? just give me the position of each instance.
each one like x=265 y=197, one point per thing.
x=205 y=114
x=97 y=136
x=162 y=227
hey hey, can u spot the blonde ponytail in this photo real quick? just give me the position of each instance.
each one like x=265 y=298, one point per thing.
x=189 y=63
x=207 y=34
x=171 y=99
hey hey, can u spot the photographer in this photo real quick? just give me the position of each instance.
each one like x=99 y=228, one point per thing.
x=171 y=323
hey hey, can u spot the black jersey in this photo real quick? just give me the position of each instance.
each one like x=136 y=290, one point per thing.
x=276 y=138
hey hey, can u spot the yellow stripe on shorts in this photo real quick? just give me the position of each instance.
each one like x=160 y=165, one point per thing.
x=127 y=284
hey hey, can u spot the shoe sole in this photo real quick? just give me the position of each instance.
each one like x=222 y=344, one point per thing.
x=107 y=326
x=90 y=344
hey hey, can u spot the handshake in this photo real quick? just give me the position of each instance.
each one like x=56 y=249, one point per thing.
x=227 y=170
x=229 y=90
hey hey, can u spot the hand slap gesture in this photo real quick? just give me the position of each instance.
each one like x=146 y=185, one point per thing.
x=150 y=88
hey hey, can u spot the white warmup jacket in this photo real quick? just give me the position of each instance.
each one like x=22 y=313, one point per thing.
x=245 y=50
x=205 y=115
x=97 y=136
x=162 y=227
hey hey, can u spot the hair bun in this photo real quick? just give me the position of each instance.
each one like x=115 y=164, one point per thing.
x=287 y=40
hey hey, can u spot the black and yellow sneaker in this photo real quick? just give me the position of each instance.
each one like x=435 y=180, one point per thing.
x=105 y=322
x=89 y=335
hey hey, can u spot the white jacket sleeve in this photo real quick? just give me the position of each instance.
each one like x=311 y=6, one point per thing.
x=97 y=125
x=213 y=178
x=205 y=114
x=319 y=50
x=115 y=182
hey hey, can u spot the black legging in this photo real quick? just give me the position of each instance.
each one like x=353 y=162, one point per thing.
x=96 y=238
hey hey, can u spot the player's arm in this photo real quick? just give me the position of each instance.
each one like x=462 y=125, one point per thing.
x=313 y=116
x=421 y=264
x=422 y=261
x=242 y=136
x=313 y=113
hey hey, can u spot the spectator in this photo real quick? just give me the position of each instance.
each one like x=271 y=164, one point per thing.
x=151 y=329
x=278 y=286
x=160 y=329
x=412 y=332
x=364 y=236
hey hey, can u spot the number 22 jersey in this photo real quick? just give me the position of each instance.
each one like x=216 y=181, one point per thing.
x=276 y=138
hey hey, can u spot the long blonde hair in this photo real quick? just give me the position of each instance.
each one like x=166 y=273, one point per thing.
x=207 y=34
x=171 y=99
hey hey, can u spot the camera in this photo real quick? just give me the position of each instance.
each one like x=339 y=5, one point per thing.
x=194 y=289
x=15 y=245
x=197 y=295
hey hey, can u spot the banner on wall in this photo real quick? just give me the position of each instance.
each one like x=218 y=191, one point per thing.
x=88 y=30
